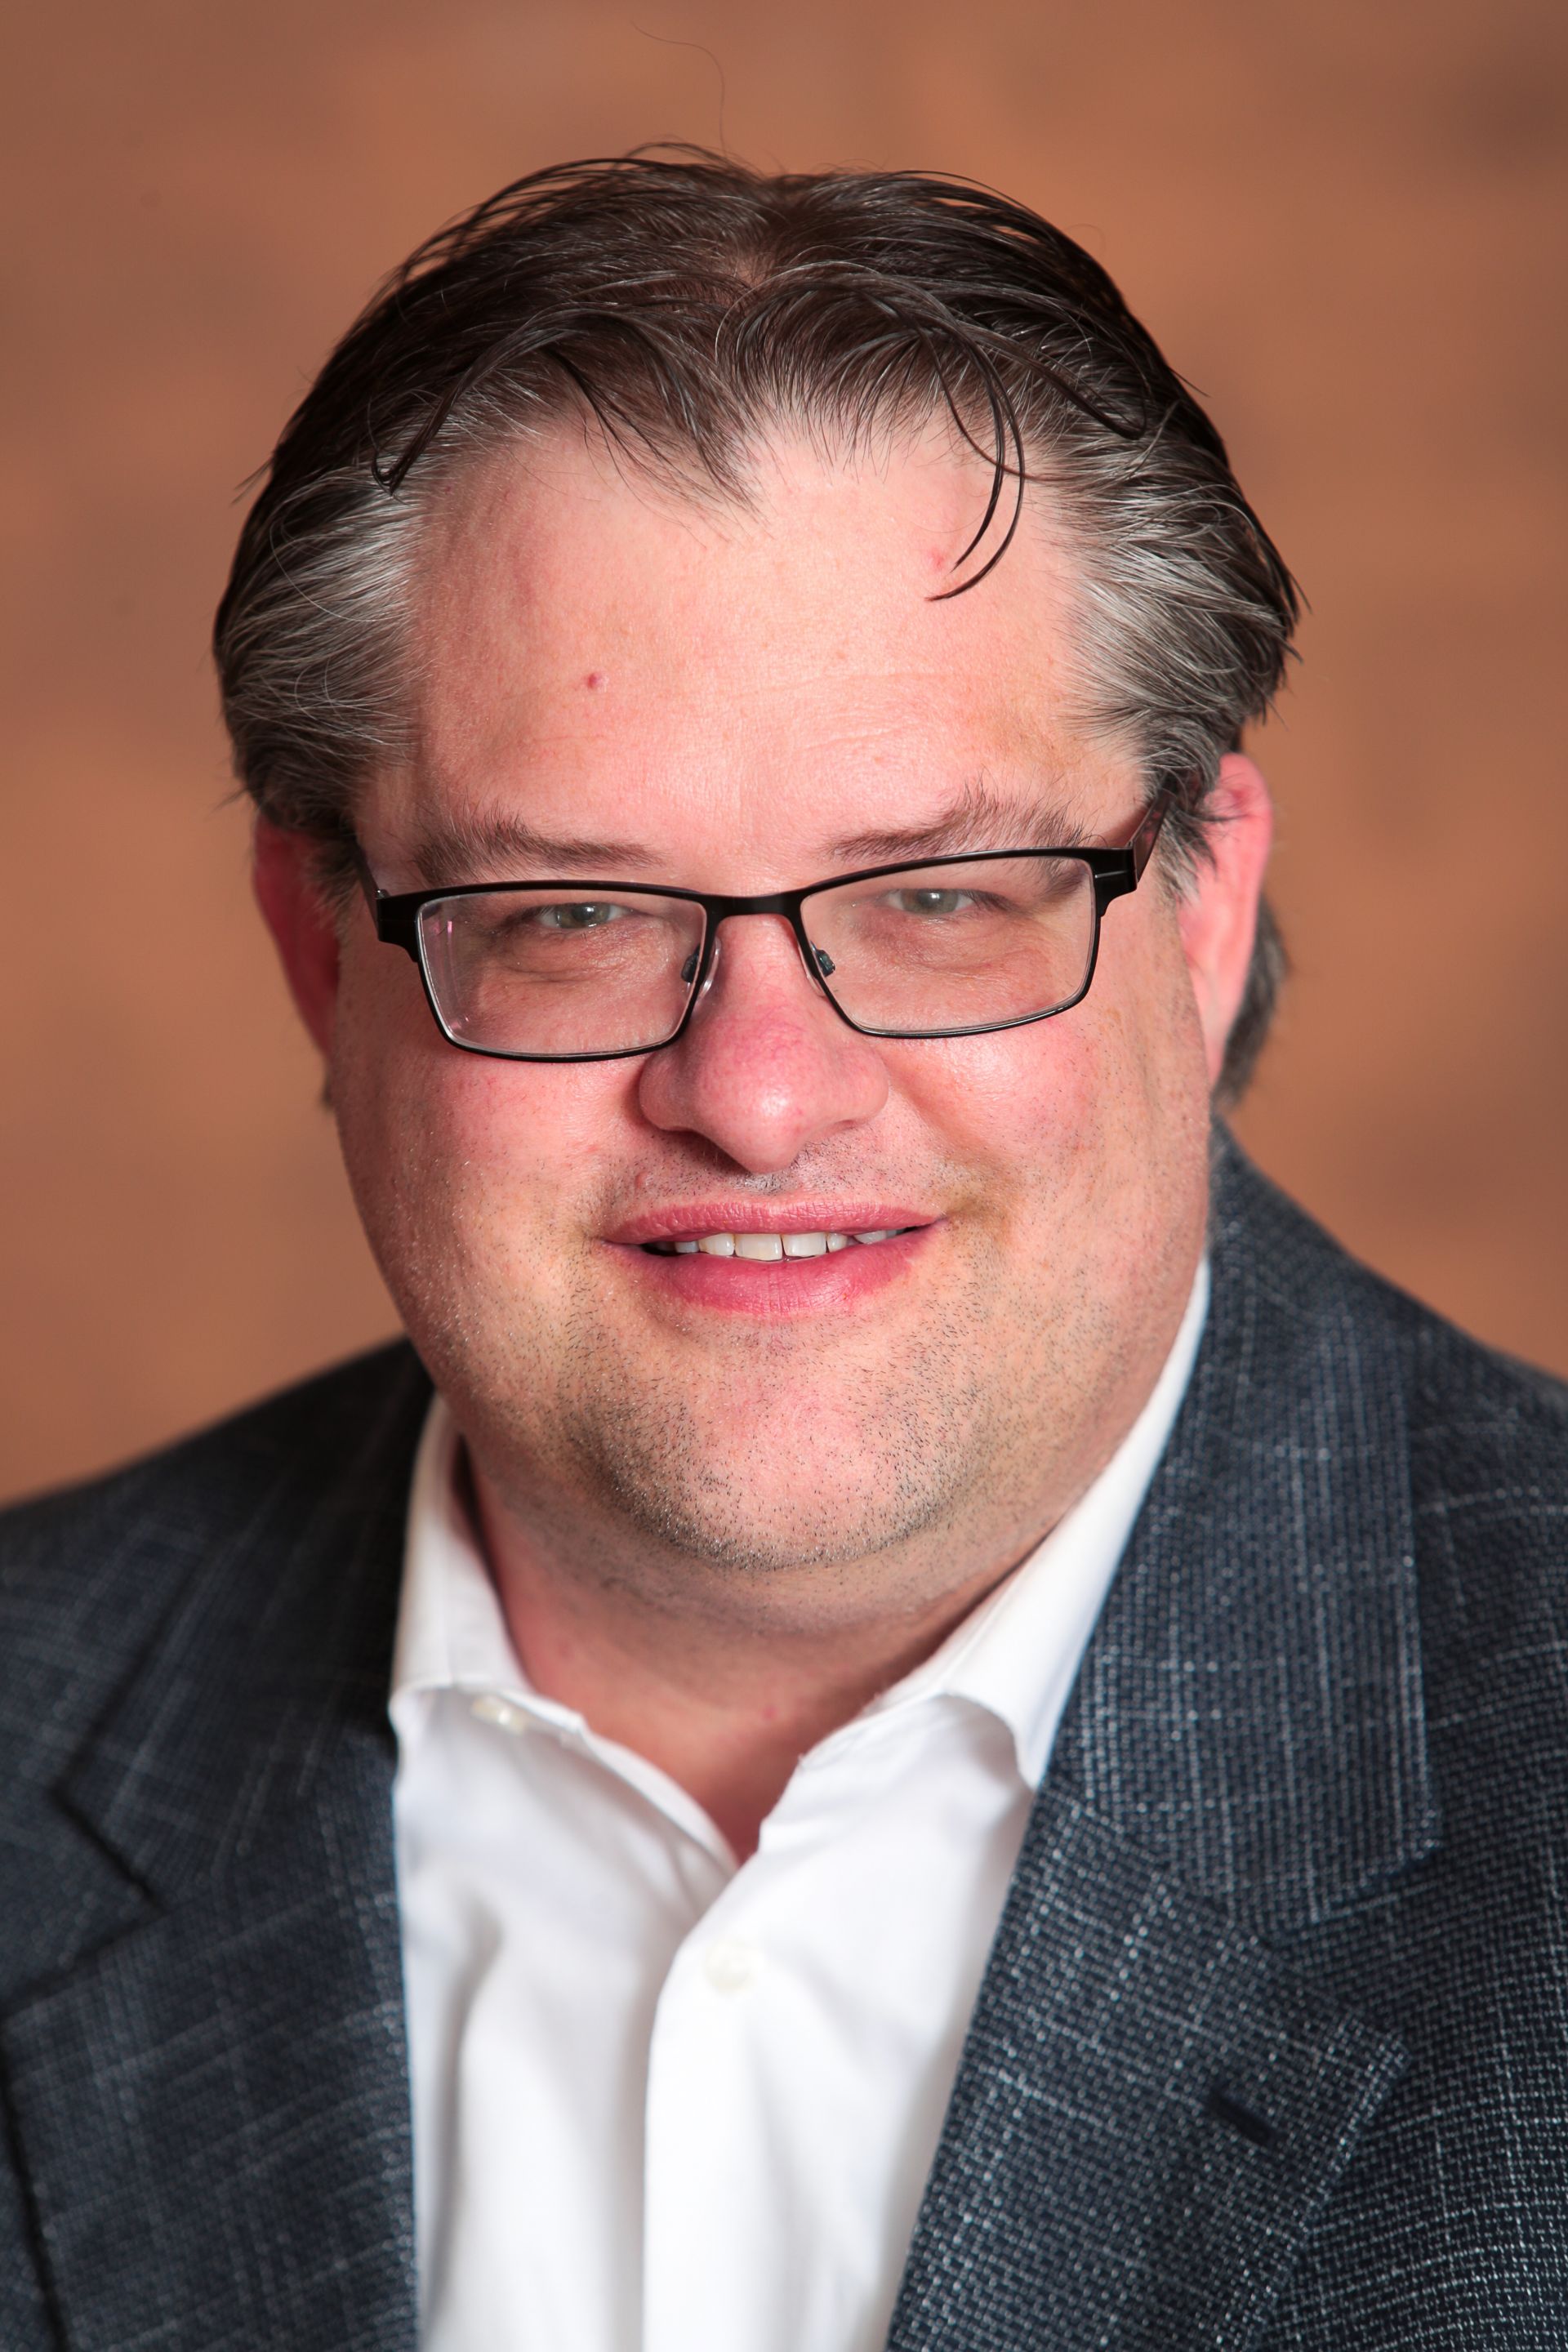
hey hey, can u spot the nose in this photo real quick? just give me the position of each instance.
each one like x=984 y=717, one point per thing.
x=765 y=1067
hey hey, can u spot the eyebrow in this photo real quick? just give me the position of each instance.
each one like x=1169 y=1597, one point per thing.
x=981 y=818
x=456 y=849
x=450 y=850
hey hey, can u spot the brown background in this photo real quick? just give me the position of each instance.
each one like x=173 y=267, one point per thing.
x=1344 y=222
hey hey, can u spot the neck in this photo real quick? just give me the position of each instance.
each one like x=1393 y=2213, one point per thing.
x=727 y=1696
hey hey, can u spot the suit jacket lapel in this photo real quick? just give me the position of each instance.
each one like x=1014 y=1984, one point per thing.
x=1153 y=2104
x=1149 y=2117
x=226 y=2074
x=1252 y=1701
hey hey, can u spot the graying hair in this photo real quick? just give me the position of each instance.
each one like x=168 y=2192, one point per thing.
x=684 y=307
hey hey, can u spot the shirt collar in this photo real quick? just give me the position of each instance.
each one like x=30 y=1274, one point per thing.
x=451 y=1632
x=1016 y=1655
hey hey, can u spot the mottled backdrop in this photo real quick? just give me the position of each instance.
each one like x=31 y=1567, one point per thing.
x=1345 y=224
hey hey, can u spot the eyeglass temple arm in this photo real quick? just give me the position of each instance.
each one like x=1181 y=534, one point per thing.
x=1142 y=844
x=397 y=930
x=373 y=893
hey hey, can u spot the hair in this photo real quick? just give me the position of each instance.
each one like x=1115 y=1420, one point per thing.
x=686 y=307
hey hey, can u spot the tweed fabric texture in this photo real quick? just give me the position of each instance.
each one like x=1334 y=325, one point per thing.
x=201 y=2017
x=1273 y=2045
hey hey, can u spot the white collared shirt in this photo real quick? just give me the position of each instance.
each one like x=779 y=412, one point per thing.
x=663 y=2103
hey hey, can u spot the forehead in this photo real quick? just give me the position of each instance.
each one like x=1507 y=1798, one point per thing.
x=598 y=651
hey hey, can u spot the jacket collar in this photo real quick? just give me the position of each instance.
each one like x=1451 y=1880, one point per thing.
x=1250 y=1706
x=273 y=1659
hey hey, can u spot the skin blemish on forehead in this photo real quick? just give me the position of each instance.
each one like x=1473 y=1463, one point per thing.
x=596 y=680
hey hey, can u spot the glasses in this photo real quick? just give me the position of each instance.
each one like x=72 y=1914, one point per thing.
x=594 y=971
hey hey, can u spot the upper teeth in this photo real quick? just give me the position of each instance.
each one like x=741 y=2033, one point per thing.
x=774 y=1246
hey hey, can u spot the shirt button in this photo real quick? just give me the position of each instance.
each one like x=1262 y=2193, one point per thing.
x=489 y=1709
x=731 y=1965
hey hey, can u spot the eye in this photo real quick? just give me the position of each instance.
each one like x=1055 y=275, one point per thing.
x=932 y=902
x=591 y=915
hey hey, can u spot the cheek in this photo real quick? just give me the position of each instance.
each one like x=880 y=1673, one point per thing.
x=1106 y=1105
x=1013 y=1103
x=1027 y=1098
x=459 y=1163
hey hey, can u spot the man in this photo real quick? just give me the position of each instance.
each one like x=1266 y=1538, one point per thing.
x=917 y=1715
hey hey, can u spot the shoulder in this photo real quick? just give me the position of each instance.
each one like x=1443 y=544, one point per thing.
x=1463 y=1399
x=87 y=1571
x=1484 y=1439
x=1489 y=1464
x=319 y=1420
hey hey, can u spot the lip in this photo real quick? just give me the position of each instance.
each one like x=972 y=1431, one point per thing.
x=772 y=1290
x=688 y=1222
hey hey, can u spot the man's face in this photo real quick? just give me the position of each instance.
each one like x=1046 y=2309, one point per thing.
x=743 y=702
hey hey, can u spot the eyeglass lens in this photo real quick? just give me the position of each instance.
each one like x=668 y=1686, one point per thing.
x=544 y=973
x=957 y=947
x=538 y=971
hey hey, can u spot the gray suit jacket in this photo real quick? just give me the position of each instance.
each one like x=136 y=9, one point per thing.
x=1273 y=2045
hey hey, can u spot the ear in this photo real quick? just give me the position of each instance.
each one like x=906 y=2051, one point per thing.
x=284 y=876
x=1218 y=910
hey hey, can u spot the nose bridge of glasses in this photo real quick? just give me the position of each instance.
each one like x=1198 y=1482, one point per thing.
x=783 y=908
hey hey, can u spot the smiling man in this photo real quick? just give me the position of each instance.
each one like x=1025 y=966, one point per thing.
x=916 y=1716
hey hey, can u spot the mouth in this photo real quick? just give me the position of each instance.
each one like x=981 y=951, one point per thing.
x=810 y=1258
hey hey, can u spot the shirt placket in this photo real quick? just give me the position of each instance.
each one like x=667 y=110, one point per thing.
x=703 y=2151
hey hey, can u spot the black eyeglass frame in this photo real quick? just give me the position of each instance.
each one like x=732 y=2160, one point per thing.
x=1114 y=873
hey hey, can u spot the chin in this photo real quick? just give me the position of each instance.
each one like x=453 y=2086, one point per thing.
x=761 y=1510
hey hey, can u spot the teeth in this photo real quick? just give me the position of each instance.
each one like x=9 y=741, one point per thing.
x=767 y=1248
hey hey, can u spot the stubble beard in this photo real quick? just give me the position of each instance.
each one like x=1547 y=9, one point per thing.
x=775 y=1457
x=783 y=1458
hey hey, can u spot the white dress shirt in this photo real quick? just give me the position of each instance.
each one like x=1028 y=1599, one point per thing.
x=662 y=2102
